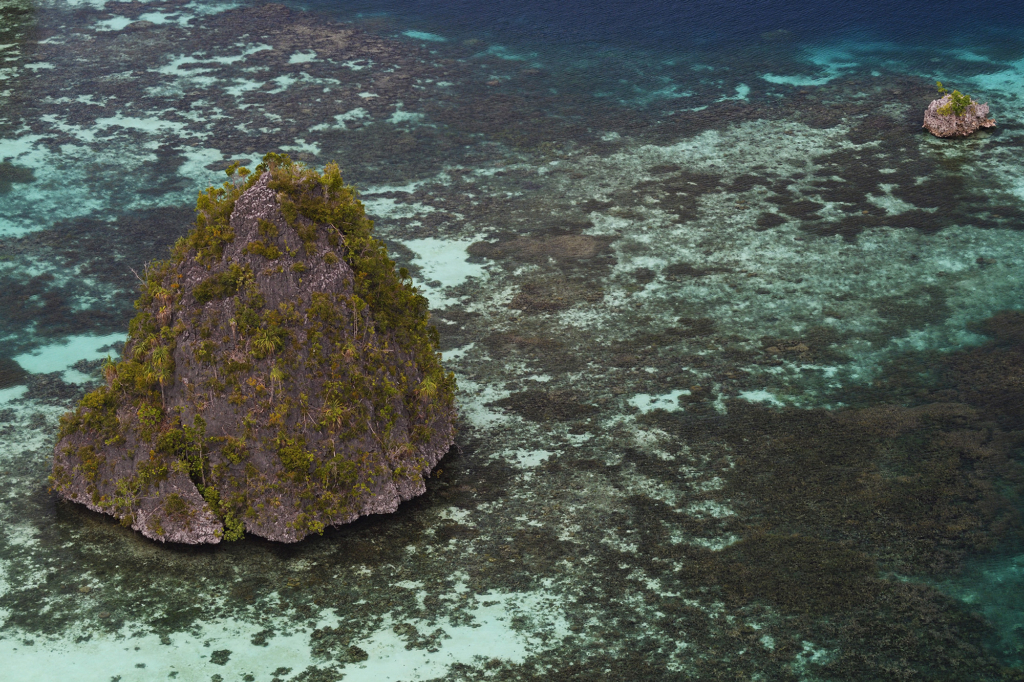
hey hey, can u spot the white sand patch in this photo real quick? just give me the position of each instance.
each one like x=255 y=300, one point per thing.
x=112 y=24
x=714 y=544
x=710 y=508
x=832 y=61
x=422 y=35
x=152 y=125
x=472 y=400
x=969 y=56
x=651 y=487
x=174 y=67
x=241 y=86
x=189 y=66
x=742 y=91
x=302 y=146
x=666 y=401
x=670 y=91
x=490 y=635
x=798 y=81
x=528 y=459
x=1009 y=80
x=503 y=52
x=402 y=116
x=386 y=207
x=86 y=135
x=12 y=393
x=202 y=7
x=409 y=584
x=445 y=262
x=179 y=18
x=772 y=281
x=21 y=534
x=58 y=357
x=283 y=81
x=340 y=119
x=247 y=49
x=761 y=396
x=456 y=354
x=302 y=57
x=132 y=658
x=653 y=441
x=303 y=77
x=4 y=589
x=357 y=64
x=194 y=168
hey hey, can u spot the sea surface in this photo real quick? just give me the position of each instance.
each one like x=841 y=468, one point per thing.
x=740 y=347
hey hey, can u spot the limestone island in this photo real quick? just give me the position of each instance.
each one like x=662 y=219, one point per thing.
x=955 y=115
x=280 y=376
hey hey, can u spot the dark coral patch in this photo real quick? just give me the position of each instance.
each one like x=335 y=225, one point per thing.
x=564 y=247
x=748 y=181
x=767 y=221
x=904 y=484
x=11 y=373
x=11 y=175
x=542 y=406
x=796 y=573
x=555 y=293
x=992 y=377
x=843 y=191
x=803 y=209
x=686 y=270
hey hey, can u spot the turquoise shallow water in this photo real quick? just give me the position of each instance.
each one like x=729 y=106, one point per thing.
x=737 y=342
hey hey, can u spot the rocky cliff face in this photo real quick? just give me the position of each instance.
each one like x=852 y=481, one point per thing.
x=950 y=125
x=280 y=376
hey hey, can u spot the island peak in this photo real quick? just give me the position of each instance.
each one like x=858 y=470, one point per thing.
x=280 y=376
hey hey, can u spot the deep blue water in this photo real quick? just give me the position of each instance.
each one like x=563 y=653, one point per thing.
x=670 y=27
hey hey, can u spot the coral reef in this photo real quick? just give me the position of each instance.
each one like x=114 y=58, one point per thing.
x=641 y=293
x=280 y=376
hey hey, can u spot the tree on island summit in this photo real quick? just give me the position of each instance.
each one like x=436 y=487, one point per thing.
x=957 y=104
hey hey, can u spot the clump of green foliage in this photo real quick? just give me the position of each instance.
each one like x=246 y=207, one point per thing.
x=221 y=285
x=958 y=103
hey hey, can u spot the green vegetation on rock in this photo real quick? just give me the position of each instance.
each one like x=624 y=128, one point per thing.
x=957 y=105
x=280 y=376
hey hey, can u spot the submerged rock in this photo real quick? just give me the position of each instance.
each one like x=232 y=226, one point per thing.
x=951 y=125
x=280 y=375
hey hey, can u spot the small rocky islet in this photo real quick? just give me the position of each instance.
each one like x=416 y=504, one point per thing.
x=280 y=376
x=955 y=115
